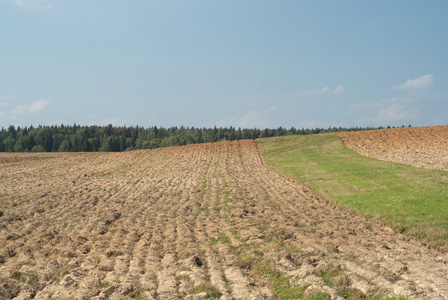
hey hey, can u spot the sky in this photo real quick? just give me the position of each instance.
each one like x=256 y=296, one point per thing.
x=241 y=63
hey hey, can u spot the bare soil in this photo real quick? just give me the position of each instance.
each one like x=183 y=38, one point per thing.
x=425 y=147
x=194 y=221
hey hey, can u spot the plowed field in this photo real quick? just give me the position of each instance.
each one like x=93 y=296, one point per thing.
x=210 y=220
x=425 y=147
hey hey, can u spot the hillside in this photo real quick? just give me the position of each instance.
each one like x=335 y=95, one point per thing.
x=211 y=220
x=425 y=147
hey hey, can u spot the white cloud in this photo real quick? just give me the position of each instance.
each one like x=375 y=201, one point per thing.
x=338 y=90
x=258 y=118
x=392 y=114
x=19 y=2
x=396 y=113
x=2 y=104
x=39 y=4
x=387 y=111
x=31 y=108
x=313 y=92
x=253 y=119
x=9 y=97
x=57 y=122
x=380 y=104
x=417 y=83
x=325 y=90
x=322 y=124
x=105 y=122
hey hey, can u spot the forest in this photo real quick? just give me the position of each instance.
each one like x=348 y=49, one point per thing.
x=77 y=138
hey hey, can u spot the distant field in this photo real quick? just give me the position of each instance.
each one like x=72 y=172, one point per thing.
x=425 y=147
x=411 y=199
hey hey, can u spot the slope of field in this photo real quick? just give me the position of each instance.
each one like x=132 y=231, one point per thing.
x=413 y=200
x=210 y=220
x=425 y=147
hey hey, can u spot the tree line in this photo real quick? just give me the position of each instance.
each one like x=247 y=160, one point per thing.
x=76 y=138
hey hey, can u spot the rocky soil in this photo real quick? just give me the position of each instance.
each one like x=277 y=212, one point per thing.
x=210 y=220
x=425 y=147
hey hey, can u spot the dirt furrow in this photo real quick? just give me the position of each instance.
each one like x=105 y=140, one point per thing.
x=209 y=220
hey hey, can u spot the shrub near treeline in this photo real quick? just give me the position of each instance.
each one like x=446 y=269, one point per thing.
x=76 y=138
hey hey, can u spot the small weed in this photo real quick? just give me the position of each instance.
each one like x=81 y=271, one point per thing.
x=385 y=297
x=246 y=261
x=284 y=288
x=103 y=285
x=211 y=291
x=33 y=276
x=261 y=268
x=368 y=226
x=204 y=184
x=292 y=250
x=328 y=274
x=262 y=228
x=335 y=278
x=17 y=276
x=228 y=200
x=136 y=295
x=224 y=238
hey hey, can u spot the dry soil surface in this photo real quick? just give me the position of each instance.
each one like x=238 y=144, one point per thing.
x=425 y=147
x=187 y=221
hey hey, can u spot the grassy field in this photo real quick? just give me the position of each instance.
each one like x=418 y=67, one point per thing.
x=413 y=200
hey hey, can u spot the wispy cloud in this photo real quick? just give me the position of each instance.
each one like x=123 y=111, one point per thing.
x=41 y=4
x=9 y=97
x=396 y=113
x=19 y=2
x=380 y=104
x=325 y=90
x=253 y=119
x=338 y=90
x=105 y=122
x=31 y=108
x=258 y=118
x=417 y=83
x=322 y=124
x=387 y=111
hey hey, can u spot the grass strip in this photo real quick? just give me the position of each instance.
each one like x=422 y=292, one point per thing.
x=413 y=200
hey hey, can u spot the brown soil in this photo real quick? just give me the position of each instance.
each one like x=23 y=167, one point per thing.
x=425 y=147
x=194 y=221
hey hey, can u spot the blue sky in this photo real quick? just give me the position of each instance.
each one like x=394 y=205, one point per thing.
x=238 y=63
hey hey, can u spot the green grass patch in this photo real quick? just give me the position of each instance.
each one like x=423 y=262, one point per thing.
x=17 y=276
x=279 y=283
x=211 y=291
x=204 y=184
x=284 y=289
x=413 y=200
